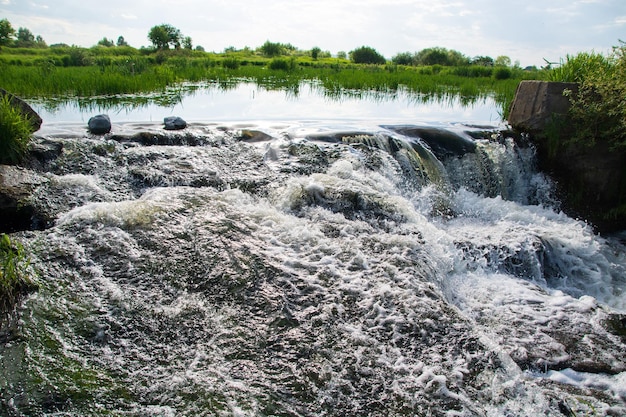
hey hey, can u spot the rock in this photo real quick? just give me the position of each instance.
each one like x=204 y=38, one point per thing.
x=536 y=103
x=443 y=143
x=16 y=187
x=99 y=124
x=35 y=119
x=174 y=123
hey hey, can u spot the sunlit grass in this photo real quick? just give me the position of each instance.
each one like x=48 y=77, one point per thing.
x=53 y=76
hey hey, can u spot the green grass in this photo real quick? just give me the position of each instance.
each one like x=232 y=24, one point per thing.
x=15 y=281
x=15 y=132
x=76 y=74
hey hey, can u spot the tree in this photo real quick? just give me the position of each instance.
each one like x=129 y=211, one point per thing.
x=486 y=61
x=187 y=42
x=366 y=55
x=40 y=43
x=106 y=42
x=315 y=51
x=271 y=48
x=6 y=32
x=403 y=58
x=503 y=61
x=25 y=38
x=164 y=35
x=121 y=41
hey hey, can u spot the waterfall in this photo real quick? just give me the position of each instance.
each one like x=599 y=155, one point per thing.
x=312 y=270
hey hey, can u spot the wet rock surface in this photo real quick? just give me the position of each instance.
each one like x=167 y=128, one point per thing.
x=17 y=211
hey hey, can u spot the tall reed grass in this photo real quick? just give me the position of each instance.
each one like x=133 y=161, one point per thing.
x=15 y=132
x=140 y=74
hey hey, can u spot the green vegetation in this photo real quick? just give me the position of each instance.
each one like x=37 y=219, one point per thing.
x=62 y=72
x=598 y=109
x=15 y=132
x=162 y=36
x=366 y=55
x=15 y=281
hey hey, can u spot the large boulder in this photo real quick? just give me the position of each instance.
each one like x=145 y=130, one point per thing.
x=27 y=111
x=538 y=103
x=99 y=124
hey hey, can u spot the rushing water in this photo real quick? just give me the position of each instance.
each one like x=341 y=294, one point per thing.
x=311 y=269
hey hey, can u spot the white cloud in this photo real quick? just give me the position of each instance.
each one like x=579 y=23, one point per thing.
x=523 y=30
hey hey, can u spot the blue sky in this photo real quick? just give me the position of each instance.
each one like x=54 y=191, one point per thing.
x=527 y=31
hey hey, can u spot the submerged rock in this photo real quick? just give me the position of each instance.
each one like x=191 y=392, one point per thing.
x=443 y=143
x=99 y=124
x=174 y=123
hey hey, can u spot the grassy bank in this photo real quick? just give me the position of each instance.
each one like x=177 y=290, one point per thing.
x=79 y=73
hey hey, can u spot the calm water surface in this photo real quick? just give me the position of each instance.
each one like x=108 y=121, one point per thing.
x=247 y=101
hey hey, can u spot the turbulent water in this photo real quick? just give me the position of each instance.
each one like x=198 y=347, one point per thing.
x=311 y=269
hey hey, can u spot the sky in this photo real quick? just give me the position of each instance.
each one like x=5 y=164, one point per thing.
x=529 y=32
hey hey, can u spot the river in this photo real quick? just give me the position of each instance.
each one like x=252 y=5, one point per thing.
x=275 y=263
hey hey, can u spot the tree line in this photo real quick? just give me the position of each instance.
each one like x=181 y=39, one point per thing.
x=24 y=38
x=166 y=36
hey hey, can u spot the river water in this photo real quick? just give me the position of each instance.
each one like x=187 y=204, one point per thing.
x=327 y=266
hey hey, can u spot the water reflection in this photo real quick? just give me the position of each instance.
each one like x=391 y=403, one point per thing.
x=273 y=99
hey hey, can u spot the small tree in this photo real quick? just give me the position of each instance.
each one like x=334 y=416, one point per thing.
x=503 y=61
x=271 y=48
x=187 y=42
x=366 y=55
x=164 y=35
x=106 y=42
x=40 y=43
x=25 y=38
x=121 y=41
x=6 y=32
x=403 y=58
x=485 y=61
x=315 y=51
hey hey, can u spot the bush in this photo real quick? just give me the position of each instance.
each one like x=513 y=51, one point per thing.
x=578 y=68
x=282 y=64
x=502 y=73
x=15 y=132
x=230 y=63
x=472 y=71
x=366 y=55
x=598 y=109
x=15 y=282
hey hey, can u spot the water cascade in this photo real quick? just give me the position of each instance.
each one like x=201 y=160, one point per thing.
x=310 y=269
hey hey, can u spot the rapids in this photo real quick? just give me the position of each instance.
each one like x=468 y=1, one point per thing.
x=311 y=269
